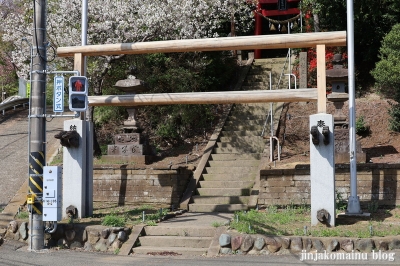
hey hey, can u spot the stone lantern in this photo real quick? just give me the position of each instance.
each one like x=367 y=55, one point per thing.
x=338 y=77
x=131 y=86
x=128 y=146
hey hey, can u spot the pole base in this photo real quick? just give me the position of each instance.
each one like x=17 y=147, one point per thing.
x=353 y=206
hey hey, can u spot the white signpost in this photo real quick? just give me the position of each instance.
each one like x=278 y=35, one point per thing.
x=58 y=103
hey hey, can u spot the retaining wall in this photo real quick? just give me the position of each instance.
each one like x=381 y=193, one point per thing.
x=375 y=183
x=124 y=185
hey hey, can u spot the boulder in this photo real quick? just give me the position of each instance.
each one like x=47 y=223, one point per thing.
x=224 y=240
x=70 y=235
x=382 y=245
x=13 y=227
x=296 y=244
x=394 y=244
x=318 y=245
x=225 y=250
x=23 y=230
x=259 y=243
x=236 y=242
x=105 y=233
x=75 y=244
x=332 y=245
x=347 y=245
x=247 y=244
x=365 y=245
x=307 y=244
x=121 y=236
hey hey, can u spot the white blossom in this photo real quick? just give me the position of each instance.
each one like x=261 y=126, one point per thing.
x=122 y=21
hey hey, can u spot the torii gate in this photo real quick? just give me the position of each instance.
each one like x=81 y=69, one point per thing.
x=301 y=40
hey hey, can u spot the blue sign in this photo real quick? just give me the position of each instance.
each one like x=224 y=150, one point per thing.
x=58 y=104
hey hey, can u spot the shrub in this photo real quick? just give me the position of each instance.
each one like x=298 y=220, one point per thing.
x=361 y=126
x=113 y=220
x=386 y=72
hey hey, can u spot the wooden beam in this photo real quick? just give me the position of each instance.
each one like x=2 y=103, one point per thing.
x=221 y=97
x=321 y=78
x=79 y=63
x=299 y=40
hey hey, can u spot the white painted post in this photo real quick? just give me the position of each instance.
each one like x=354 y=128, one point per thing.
x=74 y=170
x=322 y=169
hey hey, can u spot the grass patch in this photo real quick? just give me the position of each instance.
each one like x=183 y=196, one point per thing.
x=271 y=221
x=113 y=220
x=217 y=224
x=22 y=215
x=296 y=221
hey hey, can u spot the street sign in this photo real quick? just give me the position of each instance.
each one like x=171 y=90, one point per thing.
x=58 y=103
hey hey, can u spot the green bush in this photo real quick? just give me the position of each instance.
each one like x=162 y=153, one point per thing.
x=113 y=220
x=361 y=127
x=386 y=72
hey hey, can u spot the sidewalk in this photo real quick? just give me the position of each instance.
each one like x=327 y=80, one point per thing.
x=14 y=158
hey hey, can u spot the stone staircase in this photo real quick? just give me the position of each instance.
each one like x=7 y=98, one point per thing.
x=231 y=172
x=187 y=234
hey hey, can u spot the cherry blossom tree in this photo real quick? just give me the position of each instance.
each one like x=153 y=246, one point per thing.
x=121 y=21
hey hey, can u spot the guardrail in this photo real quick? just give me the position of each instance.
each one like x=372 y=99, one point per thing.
x=13 y=104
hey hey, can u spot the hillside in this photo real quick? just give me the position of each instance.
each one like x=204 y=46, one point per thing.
x=380 y=145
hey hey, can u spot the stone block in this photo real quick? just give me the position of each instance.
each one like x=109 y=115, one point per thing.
x=347 y=245
x=236 y=242
x=247 y=244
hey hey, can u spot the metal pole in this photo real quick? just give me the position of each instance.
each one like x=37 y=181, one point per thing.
x=84 y=28
x=37 y=128
x=353 y=206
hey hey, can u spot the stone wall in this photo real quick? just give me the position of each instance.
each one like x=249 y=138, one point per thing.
x=376 y=182
x=235 y=243
x=72 y=236
x=139 y=186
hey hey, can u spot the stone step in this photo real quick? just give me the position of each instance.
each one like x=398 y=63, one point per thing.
x=257 y=78
x=174 y=241
x=229 y=169
x=261 y=65
x=172 y=250
x=193 y=231
x=243 y=126
x=233 y=163
x=217 y=207
x=244 y=117
x=223 y=191
x=230 y=176
x=220 y=200
x=243 y=139
x=266 y=61
x=226 y=184
x=250 y=122
x=233 y=157
x=241 y=146
x=237 y=150
x=240 y=133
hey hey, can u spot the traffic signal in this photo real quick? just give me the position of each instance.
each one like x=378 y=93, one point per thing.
x=78 y=92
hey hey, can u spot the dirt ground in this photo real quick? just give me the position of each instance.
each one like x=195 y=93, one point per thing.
x=380 y=144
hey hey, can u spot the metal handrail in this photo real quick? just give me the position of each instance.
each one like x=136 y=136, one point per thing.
x=283 y=70
x=14 y=103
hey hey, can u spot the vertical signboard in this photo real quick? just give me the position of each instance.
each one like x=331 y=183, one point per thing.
x=58 y=104
x=282 y=5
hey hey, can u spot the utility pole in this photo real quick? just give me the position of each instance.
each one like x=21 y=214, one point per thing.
x=37 y=126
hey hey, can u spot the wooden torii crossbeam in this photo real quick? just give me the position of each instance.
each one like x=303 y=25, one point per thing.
x=300 y=40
